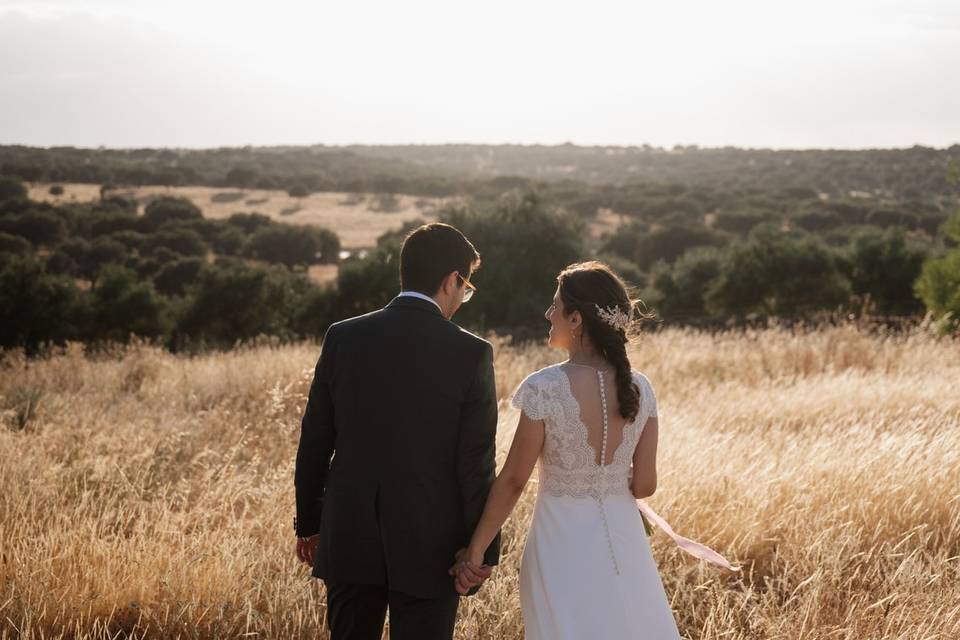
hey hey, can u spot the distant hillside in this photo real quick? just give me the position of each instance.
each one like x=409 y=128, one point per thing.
x=918 y=173
x=897 y=173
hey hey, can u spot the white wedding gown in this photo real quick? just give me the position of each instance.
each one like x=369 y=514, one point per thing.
x=587 y=572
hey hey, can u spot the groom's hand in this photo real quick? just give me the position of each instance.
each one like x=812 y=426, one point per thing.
x=307 y=548
x=468 y=574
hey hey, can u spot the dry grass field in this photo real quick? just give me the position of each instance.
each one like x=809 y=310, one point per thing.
x=149 y=495
x=353 y=218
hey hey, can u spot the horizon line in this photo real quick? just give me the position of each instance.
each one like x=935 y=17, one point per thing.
x=642 y=146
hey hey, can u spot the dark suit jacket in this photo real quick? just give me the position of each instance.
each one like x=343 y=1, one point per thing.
x=405 y=403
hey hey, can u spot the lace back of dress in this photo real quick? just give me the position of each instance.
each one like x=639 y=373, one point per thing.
x=595 y=393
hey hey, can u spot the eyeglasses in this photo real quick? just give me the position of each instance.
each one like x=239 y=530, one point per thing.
x=470 y=288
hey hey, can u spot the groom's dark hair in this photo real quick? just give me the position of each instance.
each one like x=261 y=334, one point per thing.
x=430 y=252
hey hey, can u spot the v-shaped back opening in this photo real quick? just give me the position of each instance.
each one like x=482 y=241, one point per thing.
x=583 y=383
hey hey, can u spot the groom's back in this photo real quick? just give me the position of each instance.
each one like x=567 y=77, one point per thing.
x=409 y=391
x=401 y=376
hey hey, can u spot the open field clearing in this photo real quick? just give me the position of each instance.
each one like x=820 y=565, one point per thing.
x=352 y=217
x=152 y=494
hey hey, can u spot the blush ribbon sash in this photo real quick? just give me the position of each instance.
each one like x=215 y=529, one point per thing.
x=695 y=549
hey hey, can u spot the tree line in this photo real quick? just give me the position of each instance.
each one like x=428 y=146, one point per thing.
x=914 y=174
x=101 y=272
x=684 y=276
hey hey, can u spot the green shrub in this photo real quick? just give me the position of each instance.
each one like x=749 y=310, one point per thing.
x=939 y=282
x=777 y=274
x=883 y=266
x=12 y=187
x=166 y=209
x=125 y=305
x=36 y=307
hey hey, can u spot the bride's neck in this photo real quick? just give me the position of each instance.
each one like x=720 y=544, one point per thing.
x=586 y=354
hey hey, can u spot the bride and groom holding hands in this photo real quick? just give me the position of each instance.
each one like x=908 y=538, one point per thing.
x=398 y=502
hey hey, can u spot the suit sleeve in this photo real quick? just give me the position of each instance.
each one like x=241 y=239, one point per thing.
x=317 y=437
x=476 y=455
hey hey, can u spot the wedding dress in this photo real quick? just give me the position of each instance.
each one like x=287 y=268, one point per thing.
x=587 y=571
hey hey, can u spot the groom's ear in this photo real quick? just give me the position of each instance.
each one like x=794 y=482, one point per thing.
x=449 y=283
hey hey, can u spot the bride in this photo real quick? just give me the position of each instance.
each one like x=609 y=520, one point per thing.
x=591 y=422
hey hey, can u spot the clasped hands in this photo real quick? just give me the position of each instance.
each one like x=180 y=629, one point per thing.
x=468 y=572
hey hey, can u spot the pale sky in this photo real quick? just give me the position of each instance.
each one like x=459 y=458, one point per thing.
x=758 y=73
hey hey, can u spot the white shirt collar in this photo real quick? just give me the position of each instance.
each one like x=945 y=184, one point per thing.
x=417 y=294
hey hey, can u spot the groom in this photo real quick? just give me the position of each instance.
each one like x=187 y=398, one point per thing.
x=396 y=452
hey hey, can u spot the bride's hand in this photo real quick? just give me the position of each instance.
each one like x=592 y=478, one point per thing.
x=469 y=572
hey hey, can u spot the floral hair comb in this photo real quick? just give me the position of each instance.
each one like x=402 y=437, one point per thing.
x=614 y=316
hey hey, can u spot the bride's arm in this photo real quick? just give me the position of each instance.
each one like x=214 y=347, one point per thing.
x=506 y=490
x=644 y=481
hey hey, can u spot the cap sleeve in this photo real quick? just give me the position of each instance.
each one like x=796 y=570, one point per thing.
x=529 y=398
x=648 y=398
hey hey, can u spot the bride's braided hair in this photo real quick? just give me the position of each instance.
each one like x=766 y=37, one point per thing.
x=585 y=287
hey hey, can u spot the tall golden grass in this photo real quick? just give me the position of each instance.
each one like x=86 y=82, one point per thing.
x=149 y=495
